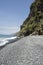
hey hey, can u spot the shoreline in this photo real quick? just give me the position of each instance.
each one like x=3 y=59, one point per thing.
x=17 y=39
x=28 y=50
x=9 y=41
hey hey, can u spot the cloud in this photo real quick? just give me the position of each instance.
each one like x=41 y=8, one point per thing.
x=8 y=30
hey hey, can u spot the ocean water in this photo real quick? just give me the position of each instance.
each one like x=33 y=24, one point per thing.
x=5 y=36
x=5 y=39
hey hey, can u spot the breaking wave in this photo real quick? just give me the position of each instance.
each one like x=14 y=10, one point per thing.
x=5 y=41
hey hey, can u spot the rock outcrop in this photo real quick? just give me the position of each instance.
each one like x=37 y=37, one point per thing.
x=34 y=21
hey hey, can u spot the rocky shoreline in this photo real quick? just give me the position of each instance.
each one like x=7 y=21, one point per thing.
x=26 y=51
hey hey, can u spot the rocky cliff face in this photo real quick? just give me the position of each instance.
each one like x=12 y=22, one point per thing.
x=34 y=21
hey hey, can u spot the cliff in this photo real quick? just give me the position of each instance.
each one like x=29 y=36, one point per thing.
x=34 y=21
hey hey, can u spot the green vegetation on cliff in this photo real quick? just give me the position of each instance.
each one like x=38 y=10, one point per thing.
x=34 y=21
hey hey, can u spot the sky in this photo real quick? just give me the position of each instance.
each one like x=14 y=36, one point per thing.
x=12 y=14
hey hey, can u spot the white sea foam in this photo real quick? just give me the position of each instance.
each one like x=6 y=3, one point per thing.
x=4 y=41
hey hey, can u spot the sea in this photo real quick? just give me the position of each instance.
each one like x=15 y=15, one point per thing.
x=5 y=39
